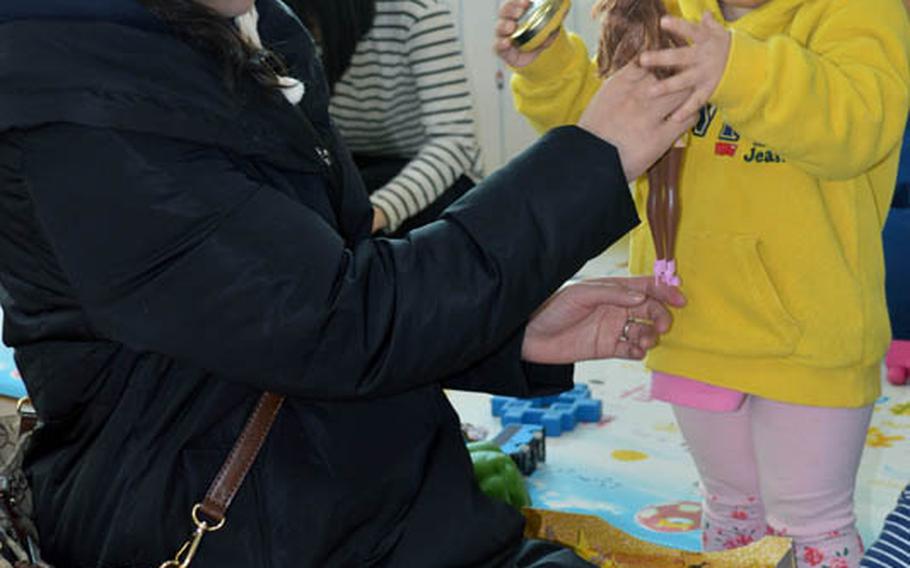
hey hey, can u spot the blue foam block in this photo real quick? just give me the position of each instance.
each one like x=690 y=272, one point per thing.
x=557 y=414
x=590 y=410
x=552 y=423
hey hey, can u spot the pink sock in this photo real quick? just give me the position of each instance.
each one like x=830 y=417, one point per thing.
x=835 y=549
x=728 y=525
x=669 y=275
x=660 y=266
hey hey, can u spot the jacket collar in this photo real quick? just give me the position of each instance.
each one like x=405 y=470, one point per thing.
x=88 y=67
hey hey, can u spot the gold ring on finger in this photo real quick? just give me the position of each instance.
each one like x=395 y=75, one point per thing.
x=626 y=328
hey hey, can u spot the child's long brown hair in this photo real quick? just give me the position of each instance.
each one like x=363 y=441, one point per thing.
x=629 y=27
x=203 y=28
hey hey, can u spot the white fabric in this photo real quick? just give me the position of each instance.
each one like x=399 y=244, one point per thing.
x=248 y=24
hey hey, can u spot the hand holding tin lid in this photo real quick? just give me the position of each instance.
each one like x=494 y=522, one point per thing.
x=539 y=22
x=527 y=27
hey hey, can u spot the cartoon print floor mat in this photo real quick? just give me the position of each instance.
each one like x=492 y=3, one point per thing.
x=633 y=470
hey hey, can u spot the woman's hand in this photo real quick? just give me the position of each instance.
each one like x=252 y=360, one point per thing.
x=629 y=115
x=380 y=221
x=699 y=66
x=509 y=13
x=599 y=319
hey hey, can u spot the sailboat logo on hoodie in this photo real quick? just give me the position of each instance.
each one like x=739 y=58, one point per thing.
x=727 y=140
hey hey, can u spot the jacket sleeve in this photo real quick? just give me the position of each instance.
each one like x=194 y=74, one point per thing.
x=555 y=89
x=503 y=372
x=837 y=106
x=171 y=248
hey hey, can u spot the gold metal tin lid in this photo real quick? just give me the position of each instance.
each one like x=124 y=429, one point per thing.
x=539 y=17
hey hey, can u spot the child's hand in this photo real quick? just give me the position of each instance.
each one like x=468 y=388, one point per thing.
x=509 y=14
x=625 y=115
x=699 y=66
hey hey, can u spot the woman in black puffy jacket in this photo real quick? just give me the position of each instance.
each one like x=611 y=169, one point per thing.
x=181 y=231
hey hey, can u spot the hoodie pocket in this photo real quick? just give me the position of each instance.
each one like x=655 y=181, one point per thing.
x=734 y=307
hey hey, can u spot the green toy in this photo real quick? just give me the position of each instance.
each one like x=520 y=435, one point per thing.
x=497 y=475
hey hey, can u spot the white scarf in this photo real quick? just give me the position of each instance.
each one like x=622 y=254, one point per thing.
x=248 y=24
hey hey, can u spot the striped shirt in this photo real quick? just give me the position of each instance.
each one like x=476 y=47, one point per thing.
x=406 y=95
x=892 y=549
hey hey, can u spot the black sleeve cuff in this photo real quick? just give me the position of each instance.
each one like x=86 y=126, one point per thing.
x=504 y=373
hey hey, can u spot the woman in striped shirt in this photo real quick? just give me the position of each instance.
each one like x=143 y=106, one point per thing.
x=401 y=101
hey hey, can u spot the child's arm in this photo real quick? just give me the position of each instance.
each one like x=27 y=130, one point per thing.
x=555 y=89
x=835 y=107
x=552 y=88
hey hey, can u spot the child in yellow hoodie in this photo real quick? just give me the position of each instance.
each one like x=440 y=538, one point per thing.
x=774 y=366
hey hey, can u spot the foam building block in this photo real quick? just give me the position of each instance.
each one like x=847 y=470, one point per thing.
x=557 y=414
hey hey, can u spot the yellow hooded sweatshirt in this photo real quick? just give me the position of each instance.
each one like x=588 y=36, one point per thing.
x=786 y=184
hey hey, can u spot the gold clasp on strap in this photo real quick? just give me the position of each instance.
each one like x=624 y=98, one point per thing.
x=24 y=405
x=186 y=553
x=28 y=418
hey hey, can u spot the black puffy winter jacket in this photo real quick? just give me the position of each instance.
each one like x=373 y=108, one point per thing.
x=170 y=248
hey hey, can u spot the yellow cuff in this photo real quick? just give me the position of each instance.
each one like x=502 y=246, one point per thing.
x=746 y=71
x=553 y=60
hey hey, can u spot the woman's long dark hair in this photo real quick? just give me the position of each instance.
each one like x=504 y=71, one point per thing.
x=337 y=25
x=213 y=33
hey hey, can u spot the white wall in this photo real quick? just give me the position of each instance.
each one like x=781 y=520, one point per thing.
x=502 y=132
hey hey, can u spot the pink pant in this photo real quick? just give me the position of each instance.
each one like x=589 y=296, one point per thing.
x=771 y=467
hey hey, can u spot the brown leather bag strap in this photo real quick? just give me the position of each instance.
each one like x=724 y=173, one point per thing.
x=228 y=481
